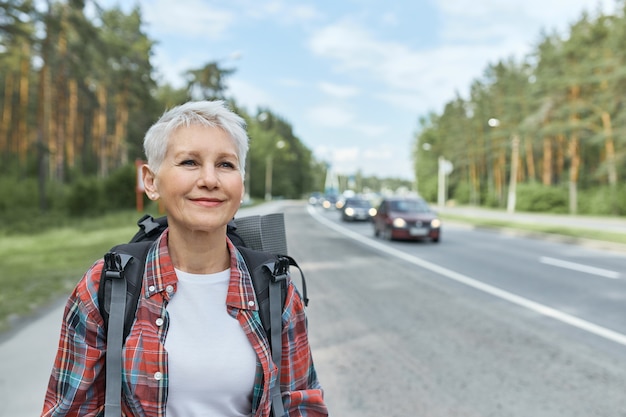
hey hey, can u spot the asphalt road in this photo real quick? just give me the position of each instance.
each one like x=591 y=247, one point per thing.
x=477 y=325
x=454 y=329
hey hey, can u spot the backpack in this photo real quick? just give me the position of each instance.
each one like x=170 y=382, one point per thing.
x=260 y=239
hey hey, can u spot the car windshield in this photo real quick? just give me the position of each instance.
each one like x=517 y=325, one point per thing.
x=358 y=203
x=410 y=206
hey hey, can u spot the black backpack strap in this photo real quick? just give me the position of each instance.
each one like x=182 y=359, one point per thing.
x=133 y=275
x=118 y=296
x=269 y=276
x=149 y=228
x=114 y=271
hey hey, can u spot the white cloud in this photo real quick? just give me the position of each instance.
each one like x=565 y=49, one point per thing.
x=338 y=91
x=284 y=12
x=371 y=130
x=250 y=96
x=330 y=116
x=195 y=19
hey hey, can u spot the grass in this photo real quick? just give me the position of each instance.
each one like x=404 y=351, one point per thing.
x=576 y=233
x=39 y=269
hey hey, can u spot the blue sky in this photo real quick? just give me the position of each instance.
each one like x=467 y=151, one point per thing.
x=351 y=76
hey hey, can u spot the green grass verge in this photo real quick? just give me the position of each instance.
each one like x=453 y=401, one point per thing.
x=577 y=233
x=39 y=269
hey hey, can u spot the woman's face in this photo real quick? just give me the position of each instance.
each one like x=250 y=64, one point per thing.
x=199 y=182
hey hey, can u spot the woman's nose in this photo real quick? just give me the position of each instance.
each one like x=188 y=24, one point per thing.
x=208 y=177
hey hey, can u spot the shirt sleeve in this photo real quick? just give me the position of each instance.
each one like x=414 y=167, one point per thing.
x=76 y=385
x=302 y=394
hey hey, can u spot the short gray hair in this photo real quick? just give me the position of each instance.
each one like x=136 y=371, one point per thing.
x=203 y=113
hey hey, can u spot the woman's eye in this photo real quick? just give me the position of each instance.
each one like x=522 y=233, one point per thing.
x=226 y=164
x=188 y=162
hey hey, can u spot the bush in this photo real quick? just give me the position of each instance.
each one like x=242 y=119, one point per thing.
x=603 y=201
x=540 y=198
x=92 y=196
x=119 y=188
x=86 y=197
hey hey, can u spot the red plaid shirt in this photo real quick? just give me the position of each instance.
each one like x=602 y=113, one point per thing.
x=77 y=383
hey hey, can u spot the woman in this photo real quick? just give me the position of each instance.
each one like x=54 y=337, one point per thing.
x=196 y=347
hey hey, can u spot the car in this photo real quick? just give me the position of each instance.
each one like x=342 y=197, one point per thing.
x=406 y=218
x=329 y=201
x=315 y=198
x=357 y=209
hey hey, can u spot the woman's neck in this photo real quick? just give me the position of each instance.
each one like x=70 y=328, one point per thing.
x=199 y=252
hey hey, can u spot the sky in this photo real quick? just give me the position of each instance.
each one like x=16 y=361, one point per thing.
x=352 y=77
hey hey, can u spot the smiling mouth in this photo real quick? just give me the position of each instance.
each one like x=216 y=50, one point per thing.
x=207 y=201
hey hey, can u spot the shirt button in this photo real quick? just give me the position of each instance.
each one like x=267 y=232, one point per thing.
x=169 y=289
x=158 y=376
x=251 y=303
x=151 y=288
x=159 y=322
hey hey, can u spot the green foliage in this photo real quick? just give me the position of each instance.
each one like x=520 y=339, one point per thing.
x=539 y=198
x=563 y=102
x=461 y=193
x=119 y=188
x=86 y=197
x=603 y=201
x=92 y=196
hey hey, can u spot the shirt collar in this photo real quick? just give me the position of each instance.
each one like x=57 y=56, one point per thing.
x=161 y=277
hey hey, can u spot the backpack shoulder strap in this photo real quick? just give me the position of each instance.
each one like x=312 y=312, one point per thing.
x=269 y=277
x=118 y=295
x=132 y=274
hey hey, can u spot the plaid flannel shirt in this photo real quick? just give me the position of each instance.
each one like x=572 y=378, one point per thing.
x=77 y=383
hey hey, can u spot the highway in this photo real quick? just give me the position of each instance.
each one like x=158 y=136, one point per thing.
x=480 y=324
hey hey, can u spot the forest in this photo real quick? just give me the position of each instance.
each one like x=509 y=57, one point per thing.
x=546 y=132
x=77 y=93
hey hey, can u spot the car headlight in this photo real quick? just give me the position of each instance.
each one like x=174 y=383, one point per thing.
x=372 y=212
x=399 y=223
x=326 y=204
x=435 y=223
x=349 y=212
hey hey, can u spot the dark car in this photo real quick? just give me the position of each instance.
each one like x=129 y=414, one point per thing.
x=357 y=209
x=406 y=218
x=330 y=201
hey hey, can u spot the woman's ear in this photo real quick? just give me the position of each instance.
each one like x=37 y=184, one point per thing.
x=149 y=182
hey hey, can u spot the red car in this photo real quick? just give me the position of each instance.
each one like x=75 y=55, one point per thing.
x=406 y=218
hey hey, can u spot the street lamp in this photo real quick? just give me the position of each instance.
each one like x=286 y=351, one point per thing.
x=269 y=162
x=512 y=194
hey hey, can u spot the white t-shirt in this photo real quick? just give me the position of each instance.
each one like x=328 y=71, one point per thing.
x=211 y=363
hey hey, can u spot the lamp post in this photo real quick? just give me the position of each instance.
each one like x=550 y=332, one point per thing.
x=512 y=194
x=269 y=166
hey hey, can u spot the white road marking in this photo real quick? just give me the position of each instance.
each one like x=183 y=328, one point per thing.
x=481 y=286
x=580 y=267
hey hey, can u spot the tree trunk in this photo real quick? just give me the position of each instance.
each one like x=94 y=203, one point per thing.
x=100 y=131
x=121 y=122
x=560 y=155
x=609 y=147
x=574 y=168
x=6 y=144
x=546 y=175
x=72 y=117
x=530 y=160
x=22 y=128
